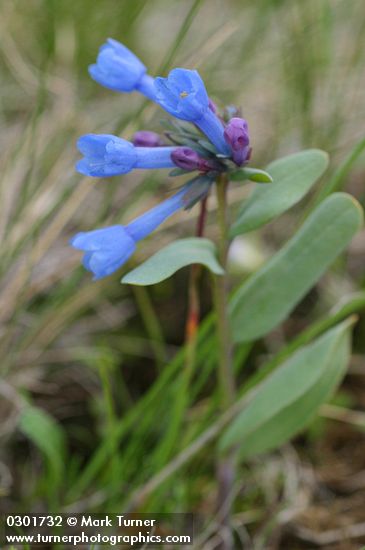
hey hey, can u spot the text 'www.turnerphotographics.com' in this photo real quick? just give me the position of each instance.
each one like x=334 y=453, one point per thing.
x=103 y=529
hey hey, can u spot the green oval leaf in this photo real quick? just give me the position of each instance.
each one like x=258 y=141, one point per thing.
x=252 y=174
x=289 y=398
x=292 y=176
x=267 y=298
x=176 y=255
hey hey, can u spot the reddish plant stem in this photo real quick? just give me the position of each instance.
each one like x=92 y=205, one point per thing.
x=192 y=321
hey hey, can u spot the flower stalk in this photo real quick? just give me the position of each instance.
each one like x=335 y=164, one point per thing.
x=226 y=382
x=225 y=373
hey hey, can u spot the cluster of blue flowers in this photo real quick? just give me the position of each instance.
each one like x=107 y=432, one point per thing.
x=183 y=95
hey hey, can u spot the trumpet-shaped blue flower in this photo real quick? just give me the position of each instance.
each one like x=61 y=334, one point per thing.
x=183 y=95
x=107 y=155
x=119 y=69
x=107 y=249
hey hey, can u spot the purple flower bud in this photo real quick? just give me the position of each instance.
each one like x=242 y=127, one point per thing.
x=145 y=138
x=188 y=159
x=236 y=135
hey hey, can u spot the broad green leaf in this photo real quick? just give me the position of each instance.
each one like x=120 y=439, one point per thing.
x=267 y=298
x=289 y=398
x=47 y=435
x=292 y=176
x=348 y=305
x=252 y=174
x=176 y=255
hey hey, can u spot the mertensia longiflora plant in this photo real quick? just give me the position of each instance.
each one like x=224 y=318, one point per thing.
x=211 y=148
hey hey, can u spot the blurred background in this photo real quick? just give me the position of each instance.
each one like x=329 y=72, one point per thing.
x=88 y=370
